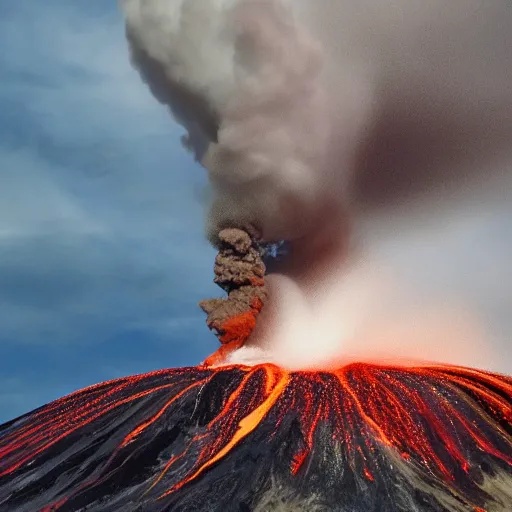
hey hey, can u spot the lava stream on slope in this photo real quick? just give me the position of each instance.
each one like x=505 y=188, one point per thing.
x=362 y=437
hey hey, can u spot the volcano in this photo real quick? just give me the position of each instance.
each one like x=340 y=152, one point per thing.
x=231 y=437
x=364 y=437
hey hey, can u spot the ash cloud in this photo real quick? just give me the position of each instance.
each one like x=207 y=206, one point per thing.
x=282 y=100
x=245 y=78
x=318 y=119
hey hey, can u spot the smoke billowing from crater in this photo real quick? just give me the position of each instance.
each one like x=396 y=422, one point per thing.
x=316 y=119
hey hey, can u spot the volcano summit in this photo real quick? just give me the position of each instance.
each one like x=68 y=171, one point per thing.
x=260 y=438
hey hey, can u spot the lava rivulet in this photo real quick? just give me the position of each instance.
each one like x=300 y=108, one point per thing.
x=186 y=428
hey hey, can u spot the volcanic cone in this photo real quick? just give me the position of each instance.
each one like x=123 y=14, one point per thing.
x=360 y=438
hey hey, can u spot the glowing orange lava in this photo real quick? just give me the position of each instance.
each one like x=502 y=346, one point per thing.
x=235 y=331
x=432 y=416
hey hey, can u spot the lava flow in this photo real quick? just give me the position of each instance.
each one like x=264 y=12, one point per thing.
x=363 y=437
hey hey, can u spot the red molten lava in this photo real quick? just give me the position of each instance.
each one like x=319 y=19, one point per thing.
x=433 y=416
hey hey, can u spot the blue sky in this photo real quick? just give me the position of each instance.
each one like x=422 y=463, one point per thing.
x=102 y=256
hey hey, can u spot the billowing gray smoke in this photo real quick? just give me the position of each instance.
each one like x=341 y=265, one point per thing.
x=244 y=78
x=307 y=113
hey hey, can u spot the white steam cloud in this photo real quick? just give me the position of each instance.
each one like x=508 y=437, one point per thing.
x=307 y=113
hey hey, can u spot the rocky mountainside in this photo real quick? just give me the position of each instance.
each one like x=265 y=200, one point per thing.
x=361 y=438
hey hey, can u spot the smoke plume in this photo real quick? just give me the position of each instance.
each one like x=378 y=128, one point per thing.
x=316 y=119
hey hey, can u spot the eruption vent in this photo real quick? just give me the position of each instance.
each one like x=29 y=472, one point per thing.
x=239 y=270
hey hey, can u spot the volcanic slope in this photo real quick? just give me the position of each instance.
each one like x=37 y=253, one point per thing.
x=364 y=437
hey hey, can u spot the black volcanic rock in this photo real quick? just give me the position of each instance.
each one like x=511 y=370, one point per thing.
x=361 y=438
